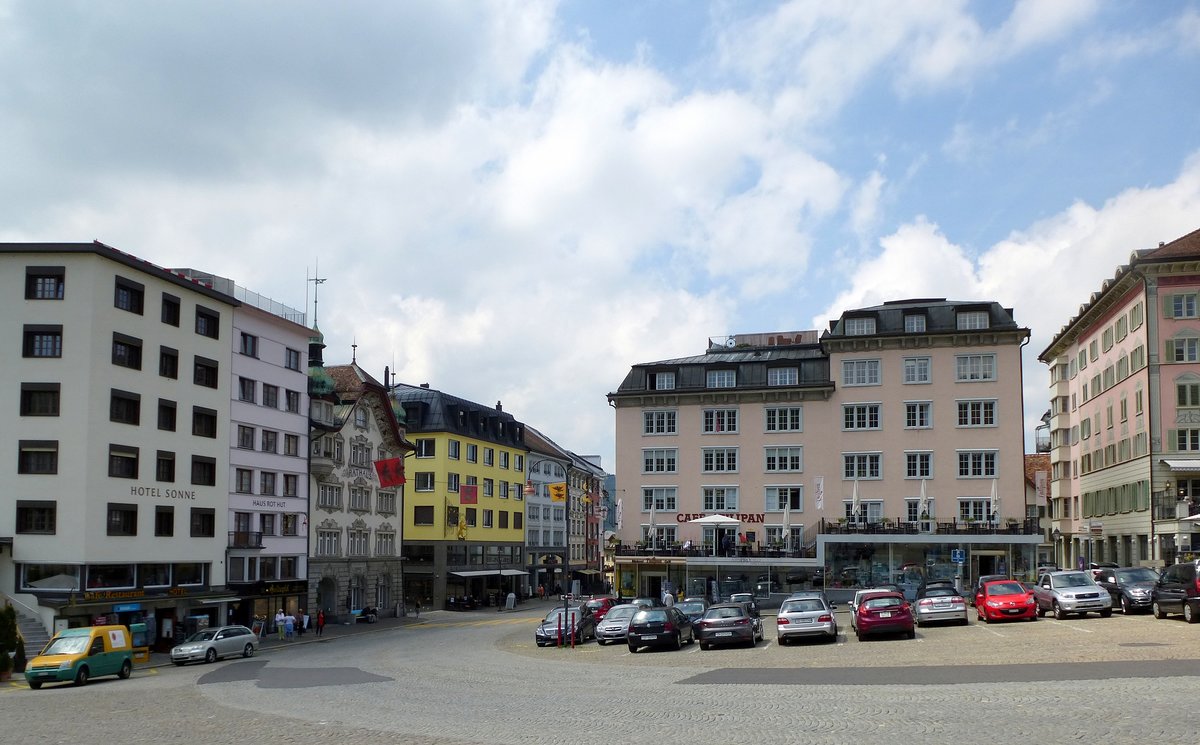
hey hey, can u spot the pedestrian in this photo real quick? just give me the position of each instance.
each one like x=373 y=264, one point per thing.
x=417 y=607
x=320 y=621
x=289 y=626
x=300 y=622
x=279 y=624
x=541 y=592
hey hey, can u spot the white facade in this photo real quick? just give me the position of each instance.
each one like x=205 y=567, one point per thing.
x=114 y=499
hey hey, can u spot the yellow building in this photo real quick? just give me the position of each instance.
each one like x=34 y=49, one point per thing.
x=464 y=511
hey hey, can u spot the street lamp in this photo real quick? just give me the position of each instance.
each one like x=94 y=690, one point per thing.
x=1057 y=536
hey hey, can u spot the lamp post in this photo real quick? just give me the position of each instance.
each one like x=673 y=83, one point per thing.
x=530 y=490
x=1057 y=536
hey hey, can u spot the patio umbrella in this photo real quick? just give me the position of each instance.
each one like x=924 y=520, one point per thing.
x=994 y=506
x=787 y=522
x=923 y=504
x=651 y=536
x=716 y=521
x=855 y=503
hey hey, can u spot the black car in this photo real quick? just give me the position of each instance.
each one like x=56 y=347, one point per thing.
x=566 y=626
x=660 y=627
x=693 y=608
x=1176 y=591
x=1130 y=587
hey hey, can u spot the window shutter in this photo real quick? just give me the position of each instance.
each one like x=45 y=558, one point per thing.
x=1168 y=304
x=1170 y=351
x=1172 y=439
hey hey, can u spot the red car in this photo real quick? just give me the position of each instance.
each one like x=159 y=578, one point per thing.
x=599 y=606
x=1004 y=599
x=885 y=613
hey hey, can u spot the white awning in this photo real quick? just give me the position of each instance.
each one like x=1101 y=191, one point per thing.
x=588 y=571
x=477 y=573
x=219 y=600
x=1182 y=465
x=512 y=573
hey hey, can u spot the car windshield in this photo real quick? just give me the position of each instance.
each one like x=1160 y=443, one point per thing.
x=557 y=613
x=650 y=616
x=1075 y=579
x=1005 y=588
x=621 y=612
x=940 y=592
x=690 y=607
x=877 y=603
x=801 y=606
x=202 y=636
x=67 y=645
x=1137 y=574
x=596 y=604
x=724 y=613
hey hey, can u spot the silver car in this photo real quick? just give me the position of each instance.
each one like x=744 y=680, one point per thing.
x=1069 y=592
x=614 y=627
x=941 y=603
x=807 y=614
x=212 y=644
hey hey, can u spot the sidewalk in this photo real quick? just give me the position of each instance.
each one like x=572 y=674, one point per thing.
x=333 y=632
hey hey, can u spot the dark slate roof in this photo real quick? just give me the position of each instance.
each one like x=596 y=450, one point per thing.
x=429 y=410
x=751 y=365
x=940 y=316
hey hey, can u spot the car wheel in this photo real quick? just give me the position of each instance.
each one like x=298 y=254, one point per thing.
x=632 y=649
x=1059 y=613
x=35 y=684
x=984 y=617
x=1158 y=611
x=179 y=664
x=703 y=647
x=858 y=635
x=81 y=676
x=965 y=622
x=1106 y=613
x=248 y=650
x=678 y=645
x=210 y=655
x=911 y=634
x=1189 y=613
x=1040 y=611
x=126 y=670
x=1126 y=608
x=601 y=642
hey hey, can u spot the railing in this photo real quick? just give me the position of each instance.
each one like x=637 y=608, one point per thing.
x=701 y=551
x=1029 y=526
x=245 y=539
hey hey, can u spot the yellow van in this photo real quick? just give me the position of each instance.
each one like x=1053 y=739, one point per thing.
x=80 y=654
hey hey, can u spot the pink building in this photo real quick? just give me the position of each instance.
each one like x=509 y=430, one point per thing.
x=1125 y=414
x=881 y=451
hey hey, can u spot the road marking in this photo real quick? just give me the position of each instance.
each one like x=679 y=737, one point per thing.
x=1070 y=626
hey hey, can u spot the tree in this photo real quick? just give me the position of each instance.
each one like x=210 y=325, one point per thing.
x=8 y=636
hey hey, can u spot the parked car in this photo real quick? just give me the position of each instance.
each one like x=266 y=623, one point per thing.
x=660 y=627
x=884 y=613
x=1004 y=599
x=647 y=602
x=1178 y=591
x=600 y=606
x=614 y=627
x=693 y=607
x=806 y=614
x=211 y=644
x=856 y=602
x=1069 y=592
x=980 y=582
x=940 y=602
x=1096 y=567
x=571 y=623
x=81 y=654
x=728 y=623
x=748 y=599
x=1130 y=587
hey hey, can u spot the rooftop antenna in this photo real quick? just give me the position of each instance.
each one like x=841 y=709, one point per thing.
x=317 y=282
x=354 y=352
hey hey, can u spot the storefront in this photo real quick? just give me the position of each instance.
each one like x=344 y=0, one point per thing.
x=260 y=601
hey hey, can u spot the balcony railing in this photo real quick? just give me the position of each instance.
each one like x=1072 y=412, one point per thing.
x=245 y=539
x=1007 y=526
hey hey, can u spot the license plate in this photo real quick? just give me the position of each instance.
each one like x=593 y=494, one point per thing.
x=885 y=614
x=723 y=633
x=647 y=637
x=941 y=602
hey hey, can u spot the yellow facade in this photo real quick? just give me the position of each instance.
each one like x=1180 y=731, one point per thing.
x=435 y=475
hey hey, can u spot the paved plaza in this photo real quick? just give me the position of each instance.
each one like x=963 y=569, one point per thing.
x=478 y=678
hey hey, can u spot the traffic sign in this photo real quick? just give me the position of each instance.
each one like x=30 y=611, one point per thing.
x=958 y=556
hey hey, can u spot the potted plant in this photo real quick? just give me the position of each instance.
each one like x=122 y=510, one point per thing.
x=8 y=639
x=19 y=660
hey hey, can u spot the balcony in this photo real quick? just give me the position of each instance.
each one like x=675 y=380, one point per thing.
x=245 y=539
x=322 y=464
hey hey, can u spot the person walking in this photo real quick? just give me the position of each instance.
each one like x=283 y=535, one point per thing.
x=320 y=621
x=289 y=626
x=300 y=622
x=417 y=607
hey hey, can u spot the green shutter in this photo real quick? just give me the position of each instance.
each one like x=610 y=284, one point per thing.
x=1169 y=351
x=1168 y=304
x=1172 y=440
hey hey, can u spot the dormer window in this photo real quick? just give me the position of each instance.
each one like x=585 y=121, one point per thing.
x=972 y=320
x=914 y=324
x=662 y=381
x=722 y=378
x=860 y=326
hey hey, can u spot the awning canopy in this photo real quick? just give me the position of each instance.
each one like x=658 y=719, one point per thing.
x=1192 y=519
x=1182 y=465
x=477 y=573
x=588 y=571
x=512 y=573
x=220 y=600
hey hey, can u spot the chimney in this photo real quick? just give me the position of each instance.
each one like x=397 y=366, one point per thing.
x=425 y=386
x=499 y=407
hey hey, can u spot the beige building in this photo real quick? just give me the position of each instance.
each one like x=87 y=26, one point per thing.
x=1125 y=414
x=875 y=453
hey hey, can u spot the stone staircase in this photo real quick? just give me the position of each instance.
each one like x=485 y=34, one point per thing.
x=34 y=634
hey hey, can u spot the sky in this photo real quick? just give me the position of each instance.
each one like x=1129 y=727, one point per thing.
x=517 y=200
